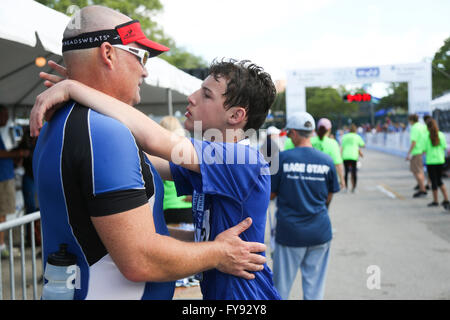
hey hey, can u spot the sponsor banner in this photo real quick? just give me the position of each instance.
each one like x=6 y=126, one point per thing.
x=417 y=75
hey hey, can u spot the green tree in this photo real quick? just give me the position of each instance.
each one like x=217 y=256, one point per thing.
x=441 y=69
x=279 y=104
x=397 y=97
x=321 y=102
x=144 y=11
x=328 y=102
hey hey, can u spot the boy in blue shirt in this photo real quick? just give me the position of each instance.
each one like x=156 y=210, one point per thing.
x=229 y=180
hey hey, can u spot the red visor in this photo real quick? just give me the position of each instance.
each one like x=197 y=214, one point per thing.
x=131 y=32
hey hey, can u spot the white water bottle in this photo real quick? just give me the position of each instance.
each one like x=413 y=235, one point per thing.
x=60 y=272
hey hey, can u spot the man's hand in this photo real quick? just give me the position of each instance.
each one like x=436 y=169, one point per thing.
x=242 y=257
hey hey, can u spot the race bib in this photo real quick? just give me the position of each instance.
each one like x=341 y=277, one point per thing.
x=201 y=217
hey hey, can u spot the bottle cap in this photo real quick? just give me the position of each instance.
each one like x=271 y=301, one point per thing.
x=62 y=258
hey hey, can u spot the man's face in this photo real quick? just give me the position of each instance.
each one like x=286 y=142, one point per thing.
x=131 y=75
x=207 y=105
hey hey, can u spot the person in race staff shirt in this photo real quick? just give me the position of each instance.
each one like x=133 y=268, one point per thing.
x=228 y=180
x=324 y=143
x=350 y=144
x=417 y=135
x=98 y=192
x=435 y=147
x=303 y=186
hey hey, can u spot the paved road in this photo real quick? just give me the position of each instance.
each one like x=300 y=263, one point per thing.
x=381 y=225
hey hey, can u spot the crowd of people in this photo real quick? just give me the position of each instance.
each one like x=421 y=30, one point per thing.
x=21 y=156
x=142 y=206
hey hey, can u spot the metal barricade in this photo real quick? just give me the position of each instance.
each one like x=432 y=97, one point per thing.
x=8 y=226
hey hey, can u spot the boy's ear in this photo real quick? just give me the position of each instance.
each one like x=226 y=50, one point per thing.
x=237 y=115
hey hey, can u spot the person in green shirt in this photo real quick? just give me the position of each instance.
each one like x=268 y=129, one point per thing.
x=329 y=146
x=435 y=147
x=350 y=144
x=288 y=144
x=417 y=135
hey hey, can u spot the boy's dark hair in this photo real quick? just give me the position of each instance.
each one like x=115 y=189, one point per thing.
x=248 y=86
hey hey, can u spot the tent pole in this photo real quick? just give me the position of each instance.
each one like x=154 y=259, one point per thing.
x=21 y=68
x=37 y=84
x=169 y=101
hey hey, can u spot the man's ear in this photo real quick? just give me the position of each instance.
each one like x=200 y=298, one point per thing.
x=107 y=54
x=237 y=115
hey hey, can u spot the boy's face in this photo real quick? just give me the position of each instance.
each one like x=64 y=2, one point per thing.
x=207 y=105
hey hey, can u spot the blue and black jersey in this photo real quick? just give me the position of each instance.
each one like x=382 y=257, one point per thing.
x=89 y=165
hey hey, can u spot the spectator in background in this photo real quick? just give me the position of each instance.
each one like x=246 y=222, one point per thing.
x=177 y=210
x=270 y=148
x=417 y=134
x=329 y=146
x=350 y=145
x=424 y=157
x=7 y=182
x=435 y=146
x=28 y=187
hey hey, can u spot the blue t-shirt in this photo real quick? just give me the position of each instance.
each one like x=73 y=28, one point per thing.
x=302 y=184
x=88 y=165
x=6 y=165
x=234 y=184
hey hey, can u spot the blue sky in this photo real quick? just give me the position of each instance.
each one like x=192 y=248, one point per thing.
x=293 y=34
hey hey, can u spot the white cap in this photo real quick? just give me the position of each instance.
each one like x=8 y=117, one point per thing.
x=273 y=130
x=301 y=121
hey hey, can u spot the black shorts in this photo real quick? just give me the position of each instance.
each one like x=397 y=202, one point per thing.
x=435 y=174
x=350 y=164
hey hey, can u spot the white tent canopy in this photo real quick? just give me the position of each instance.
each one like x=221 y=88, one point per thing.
x=29 y=30
x=442 y=103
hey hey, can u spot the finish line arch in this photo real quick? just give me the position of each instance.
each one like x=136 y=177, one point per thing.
x=417 y=75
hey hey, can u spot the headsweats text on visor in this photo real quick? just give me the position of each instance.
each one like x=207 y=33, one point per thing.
x=122 y=34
